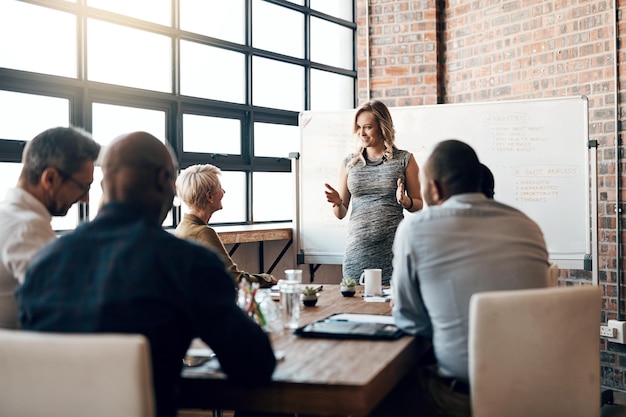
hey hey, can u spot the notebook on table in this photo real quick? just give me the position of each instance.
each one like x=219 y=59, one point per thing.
x=352 y=326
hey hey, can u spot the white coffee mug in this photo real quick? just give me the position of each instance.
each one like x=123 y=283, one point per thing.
x=372 y=279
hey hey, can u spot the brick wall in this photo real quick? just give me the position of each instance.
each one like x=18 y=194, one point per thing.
x=426 y=52
x=402 y=52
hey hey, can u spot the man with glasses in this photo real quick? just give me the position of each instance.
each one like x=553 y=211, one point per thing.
x=57 y=172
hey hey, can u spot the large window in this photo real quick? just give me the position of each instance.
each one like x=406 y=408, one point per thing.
x=221 y=81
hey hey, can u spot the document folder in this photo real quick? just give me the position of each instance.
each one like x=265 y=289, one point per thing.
x=339 y=328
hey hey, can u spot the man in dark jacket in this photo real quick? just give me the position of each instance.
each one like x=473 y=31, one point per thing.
x=123 y=273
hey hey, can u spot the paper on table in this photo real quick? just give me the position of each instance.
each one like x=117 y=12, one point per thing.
x=363 y=318
x=199 y=352
x=208 y=353
x=213 y=368
x=210 y=368
x=377 y=298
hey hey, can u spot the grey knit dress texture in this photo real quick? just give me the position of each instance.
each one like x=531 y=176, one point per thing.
x=374 y=216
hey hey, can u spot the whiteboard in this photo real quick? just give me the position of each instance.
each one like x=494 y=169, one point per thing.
x=537 y=149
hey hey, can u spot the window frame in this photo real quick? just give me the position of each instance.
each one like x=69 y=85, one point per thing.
x=82 y=93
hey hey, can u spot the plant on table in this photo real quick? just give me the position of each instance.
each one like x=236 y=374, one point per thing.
x=348 y=287
x=309 y=296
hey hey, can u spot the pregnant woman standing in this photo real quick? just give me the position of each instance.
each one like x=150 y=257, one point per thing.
x=378 y=182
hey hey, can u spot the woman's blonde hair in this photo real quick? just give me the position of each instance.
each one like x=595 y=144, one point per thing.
x=195 y=181
x=385 y=126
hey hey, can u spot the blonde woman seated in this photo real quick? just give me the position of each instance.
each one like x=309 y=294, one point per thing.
x=200 y=189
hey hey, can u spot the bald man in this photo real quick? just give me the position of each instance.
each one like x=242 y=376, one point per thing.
x=123 y=273
x=462 y=244
x=487 y=182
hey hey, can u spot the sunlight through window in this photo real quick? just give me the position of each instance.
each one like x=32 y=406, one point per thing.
x=37 y=39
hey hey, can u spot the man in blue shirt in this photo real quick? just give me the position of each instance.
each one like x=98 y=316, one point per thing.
x=463 y=243
x=123 y=273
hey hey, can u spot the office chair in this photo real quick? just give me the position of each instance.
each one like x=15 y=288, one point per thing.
x=74 y=375
x=535 y=353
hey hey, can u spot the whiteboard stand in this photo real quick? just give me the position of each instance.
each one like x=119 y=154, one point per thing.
x=299 y=252
x=295 y=169
x=593 y=162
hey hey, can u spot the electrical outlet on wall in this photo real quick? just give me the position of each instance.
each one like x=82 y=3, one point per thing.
x=620 y=331
x=606 y=331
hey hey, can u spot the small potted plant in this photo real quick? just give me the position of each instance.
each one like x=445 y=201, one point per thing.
x=348 y=287
x=309 y=296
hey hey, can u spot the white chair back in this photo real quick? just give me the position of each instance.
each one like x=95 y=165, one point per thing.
x=535 y=353
x=74 y=375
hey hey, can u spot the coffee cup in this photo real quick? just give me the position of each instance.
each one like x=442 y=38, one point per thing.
x=372 y=280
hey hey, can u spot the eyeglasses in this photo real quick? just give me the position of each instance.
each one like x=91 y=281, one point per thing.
x=80 y=185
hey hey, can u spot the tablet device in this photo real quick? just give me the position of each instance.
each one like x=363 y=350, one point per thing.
x=331 y=327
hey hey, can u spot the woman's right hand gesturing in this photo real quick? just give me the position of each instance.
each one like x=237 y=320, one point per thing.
x=332 y=196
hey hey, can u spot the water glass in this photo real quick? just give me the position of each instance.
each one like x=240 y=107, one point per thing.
x=272 y=320
x=293 y=275
x=290 y=302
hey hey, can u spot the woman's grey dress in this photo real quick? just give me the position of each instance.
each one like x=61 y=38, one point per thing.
x=375 y=214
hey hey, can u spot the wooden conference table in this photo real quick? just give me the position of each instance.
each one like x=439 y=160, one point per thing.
x=317 y=376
